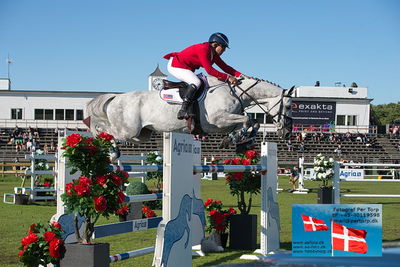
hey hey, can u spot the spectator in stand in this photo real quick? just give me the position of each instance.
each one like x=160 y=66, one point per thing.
x=29 y=145
x=396 y=131
x=289 y=146
x=36 y=133
x=46 y=149
x=331 y=137
x=337 y=137
x=314 y=136
x=347 y=136
x=338 y=150
x=293 y=178
x=35 y=145
x=303 y=136
x=16 y=131
x=52 y=146
x=298 y=137
x=302 y=146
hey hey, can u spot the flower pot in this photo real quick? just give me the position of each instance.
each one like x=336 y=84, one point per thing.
x=93 y=255
x=135 y=213
x=243 y=231
x=21 y=199
x=325 y=195
x=224 y=239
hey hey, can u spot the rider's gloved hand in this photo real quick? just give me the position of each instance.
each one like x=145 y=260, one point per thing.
x=232 y=80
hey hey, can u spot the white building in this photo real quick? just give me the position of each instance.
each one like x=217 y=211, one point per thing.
x=43 y=109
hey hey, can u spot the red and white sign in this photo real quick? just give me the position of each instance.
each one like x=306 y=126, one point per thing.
x=348 y=239
x=313 y=224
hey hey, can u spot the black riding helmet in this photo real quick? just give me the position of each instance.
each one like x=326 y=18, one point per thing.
x=219 y=38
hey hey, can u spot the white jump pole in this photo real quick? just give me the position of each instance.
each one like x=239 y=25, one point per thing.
x=300 y=189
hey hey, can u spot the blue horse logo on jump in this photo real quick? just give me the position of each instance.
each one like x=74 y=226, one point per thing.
x=176 y=228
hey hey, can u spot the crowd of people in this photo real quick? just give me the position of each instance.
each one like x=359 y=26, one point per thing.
x=28 y=140
x=303 y=137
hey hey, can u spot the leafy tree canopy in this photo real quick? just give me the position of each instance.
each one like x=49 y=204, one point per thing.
x=387 y=113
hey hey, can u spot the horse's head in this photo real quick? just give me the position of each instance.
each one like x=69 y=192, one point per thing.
x=283 y=114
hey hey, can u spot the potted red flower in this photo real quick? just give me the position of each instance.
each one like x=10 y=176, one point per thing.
x=98 y=191
x=42 y=245
x=243 y=185
x=218 y=219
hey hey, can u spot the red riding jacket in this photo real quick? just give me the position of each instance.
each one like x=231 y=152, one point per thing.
x=200 y=55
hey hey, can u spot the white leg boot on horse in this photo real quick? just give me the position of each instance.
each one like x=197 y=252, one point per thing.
x=186 y=111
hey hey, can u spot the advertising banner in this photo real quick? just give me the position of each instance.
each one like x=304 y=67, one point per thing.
x=337 y=230
x=351 y=174
x=313 y=112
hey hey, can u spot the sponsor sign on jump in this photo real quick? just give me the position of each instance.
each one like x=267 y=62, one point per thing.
x=313 y=112
x=351 y=174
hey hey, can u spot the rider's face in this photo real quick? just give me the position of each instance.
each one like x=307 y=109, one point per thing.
x=219 y=49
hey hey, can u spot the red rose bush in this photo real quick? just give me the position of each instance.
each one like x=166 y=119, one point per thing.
x=217 y=217
x=243 y=184
x=42 y=245
x=97 y=192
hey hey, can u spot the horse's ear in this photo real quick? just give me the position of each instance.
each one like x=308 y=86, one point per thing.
x=290 y=91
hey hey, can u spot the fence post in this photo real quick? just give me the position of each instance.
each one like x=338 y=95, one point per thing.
x=270 y=222
x=336 y=182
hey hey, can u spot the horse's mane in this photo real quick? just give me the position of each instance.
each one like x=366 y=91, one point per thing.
x=262 y=80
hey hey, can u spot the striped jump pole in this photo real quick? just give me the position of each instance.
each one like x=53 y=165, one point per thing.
x=131 y=254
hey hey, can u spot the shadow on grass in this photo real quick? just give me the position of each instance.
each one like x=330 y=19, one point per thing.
x=225 y=259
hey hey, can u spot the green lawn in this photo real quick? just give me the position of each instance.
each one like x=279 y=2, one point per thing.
x=14 y=220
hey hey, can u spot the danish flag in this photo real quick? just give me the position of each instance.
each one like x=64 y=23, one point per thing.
x=348 y=239
x=313 y=224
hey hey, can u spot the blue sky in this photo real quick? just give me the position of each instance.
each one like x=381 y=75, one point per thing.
x=114 y=45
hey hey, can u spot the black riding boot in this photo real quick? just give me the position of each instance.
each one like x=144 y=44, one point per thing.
x=187 y=101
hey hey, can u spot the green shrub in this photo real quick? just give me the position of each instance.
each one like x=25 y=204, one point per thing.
x=137 y=188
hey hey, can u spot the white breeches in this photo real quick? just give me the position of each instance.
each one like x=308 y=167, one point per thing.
x=184 y=75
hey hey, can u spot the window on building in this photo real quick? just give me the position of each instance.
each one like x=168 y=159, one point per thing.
x=69 y=114
x=79 y=114
x=259 y=117
x=49 y=114
x=16 y=113
x=351 y=120
x=59 y=114
x=268 y=119
x=340 y=120
x=39 y=114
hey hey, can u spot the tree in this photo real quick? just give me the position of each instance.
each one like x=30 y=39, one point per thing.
x=387 y=113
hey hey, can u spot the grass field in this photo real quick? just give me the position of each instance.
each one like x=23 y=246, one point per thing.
x=15 y=220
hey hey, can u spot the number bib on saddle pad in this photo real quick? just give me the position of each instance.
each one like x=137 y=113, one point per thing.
x=173 y=95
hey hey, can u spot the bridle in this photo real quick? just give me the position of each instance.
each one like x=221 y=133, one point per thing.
x=279 y=114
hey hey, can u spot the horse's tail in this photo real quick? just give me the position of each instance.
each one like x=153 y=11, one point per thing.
x=96 y=113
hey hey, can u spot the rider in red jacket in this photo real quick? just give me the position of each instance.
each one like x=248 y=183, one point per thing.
x=183 y=64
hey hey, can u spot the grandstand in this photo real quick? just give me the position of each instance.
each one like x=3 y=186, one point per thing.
x=383 y=149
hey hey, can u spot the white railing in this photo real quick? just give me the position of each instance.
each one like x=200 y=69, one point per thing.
x=4 y=123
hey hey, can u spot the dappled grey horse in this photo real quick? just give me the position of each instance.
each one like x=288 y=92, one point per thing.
x=133 y=116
